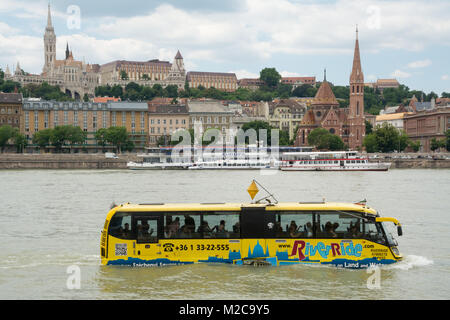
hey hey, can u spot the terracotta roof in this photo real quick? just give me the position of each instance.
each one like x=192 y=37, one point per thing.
x=213 y=74
x=105 y=99
x=391 y=116
x=325 y=95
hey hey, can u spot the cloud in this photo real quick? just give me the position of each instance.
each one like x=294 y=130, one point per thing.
x=445 y=77
x=420 y=64
x=400 y=74
x=244 y=74
x=233 y=39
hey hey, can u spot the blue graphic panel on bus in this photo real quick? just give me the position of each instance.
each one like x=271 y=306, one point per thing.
x=135 y=262
x=258 y=251
x=359 y=264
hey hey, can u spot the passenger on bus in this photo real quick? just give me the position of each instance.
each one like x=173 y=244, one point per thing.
x=293 y=230
x=354 y=230
x=308 y=230
x=145 y=227
x=329 y=230
x=189 y=223
x=237 y=227
x=126 y=232
x=204 y=228
x=221 y=227
x=173 y=228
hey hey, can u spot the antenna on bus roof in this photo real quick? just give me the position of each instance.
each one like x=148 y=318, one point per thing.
x=253 y=189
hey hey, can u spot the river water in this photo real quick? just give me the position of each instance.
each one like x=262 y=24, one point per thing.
x=51 y=220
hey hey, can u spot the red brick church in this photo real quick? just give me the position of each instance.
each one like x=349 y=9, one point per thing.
x=348 y=123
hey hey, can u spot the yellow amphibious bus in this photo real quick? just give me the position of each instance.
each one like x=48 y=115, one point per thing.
x=349 y=235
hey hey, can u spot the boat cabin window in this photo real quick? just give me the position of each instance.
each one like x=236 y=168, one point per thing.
x=220 y=225
x=201 y=225
x=373 y=231
x=121 y=226
x=294 y=225
x=147 y=229
x=182 y=225
x=336 y=225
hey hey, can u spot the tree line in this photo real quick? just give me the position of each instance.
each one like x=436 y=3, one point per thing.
x=386 y=138
x=66 y=137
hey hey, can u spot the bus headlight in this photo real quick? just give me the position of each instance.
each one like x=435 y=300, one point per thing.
x=395 y=251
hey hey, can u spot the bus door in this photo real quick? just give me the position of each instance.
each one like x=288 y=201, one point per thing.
x=147 y=237
x=256 y=227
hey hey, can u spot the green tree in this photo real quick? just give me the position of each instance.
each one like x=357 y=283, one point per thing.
x=100 y=137
x=123 y=75
x=315 y=135
x=369 y=127
x=370 y=143
x=171 y=91
x=117 y=136
x=437 y=144
x=59 y=136
x=20 y=141
x=42 y=138
x=6 y=132
x=86 y=97
x=270 y=76
x=415 y=145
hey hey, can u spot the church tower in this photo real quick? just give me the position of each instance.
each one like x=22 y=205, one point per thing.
x=49 y=45
x=357 y=126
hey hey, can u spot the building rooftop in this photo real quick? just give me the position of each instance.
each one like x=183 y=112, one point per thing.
x=10 y=97
x=206 y=107
x=128 y=106
x=392 y=116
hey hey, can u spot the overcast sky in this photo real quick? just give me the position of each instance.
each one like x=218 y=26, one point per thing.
x=404 y=39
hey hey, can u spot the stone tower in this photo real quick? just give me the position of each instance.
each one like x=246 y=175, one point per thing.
x=49 y=45
x=356 y=118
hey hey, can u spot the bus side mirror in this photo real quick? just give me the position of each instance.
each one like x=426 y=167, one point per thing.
x=399 y=231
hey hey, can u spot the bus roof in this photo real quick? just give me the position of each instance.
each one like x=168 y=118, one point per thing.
x=288 y=206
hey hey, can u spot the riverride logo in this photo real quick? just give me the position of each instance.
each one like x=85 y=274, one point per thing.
x=305 y=249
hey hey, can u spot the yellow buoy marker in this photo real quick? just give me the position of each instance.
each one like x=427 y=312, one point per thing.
x=253 y=190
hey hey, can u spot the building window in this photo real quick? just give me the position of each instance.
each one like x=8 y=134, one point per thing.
x=85 y=120
x=55 y=119
x=46 y=119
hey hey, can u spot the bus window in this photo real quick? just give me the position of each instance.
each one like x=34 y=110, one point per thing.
x=182 y=226
x=147 y=230
x=220 y=225
x=294 y=225
x=373 y=232
x=121 y=226
x=337 y=225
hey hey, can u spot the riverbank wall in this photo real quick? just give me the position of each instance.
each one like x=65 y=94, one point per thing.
x=63 y=161
x=99 y=161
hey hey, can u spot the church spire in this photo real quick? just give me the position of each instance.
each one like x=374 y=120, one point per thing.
x=67 y=50
x=357 y=74
x=49 y=19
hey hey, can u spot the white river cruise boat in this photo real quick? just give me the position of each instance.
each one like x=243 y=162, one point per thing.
x=330 y=161
x=250 y=161
x=157 y=160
